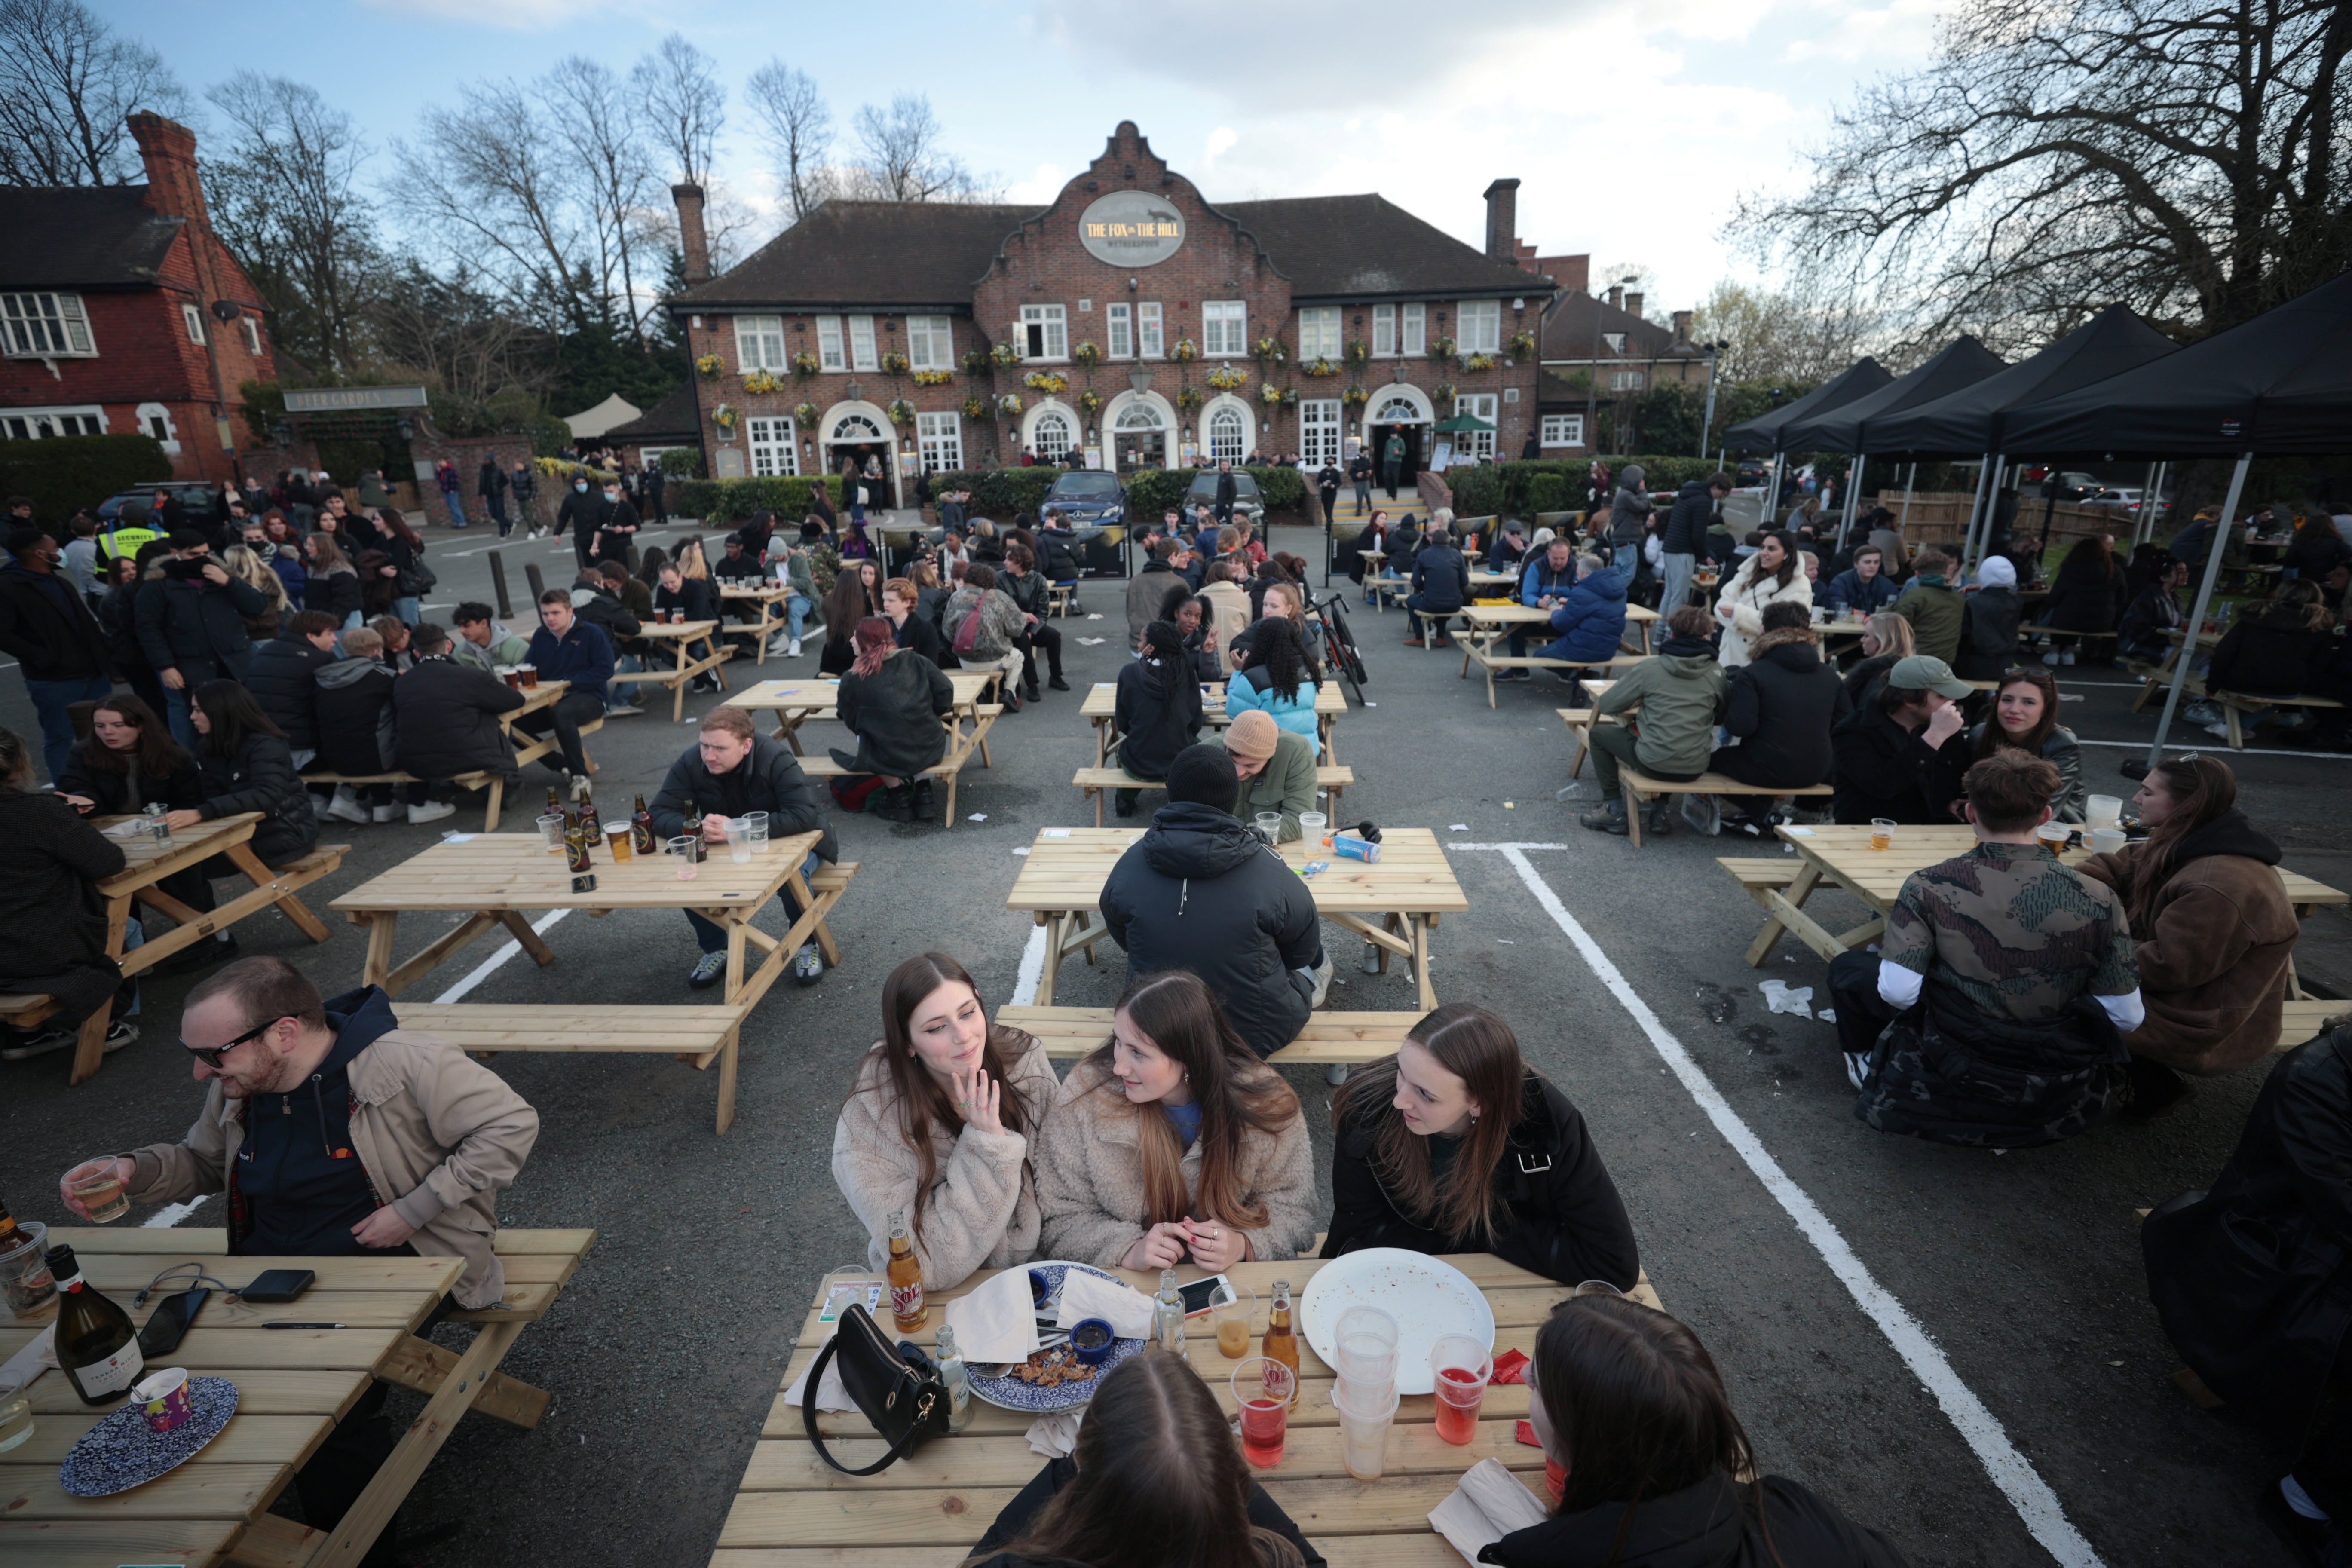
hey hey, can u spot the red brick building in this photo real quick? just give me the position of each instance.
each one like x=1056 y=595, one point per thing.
x=123 y=312
x=1130 y=323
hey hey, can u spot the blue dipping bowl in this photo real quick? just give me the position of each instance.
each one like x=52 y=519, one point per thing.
x=1091 y=1341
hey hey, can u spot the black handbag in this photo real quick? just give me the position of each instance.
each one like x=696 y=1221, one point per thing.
x=896 y=1387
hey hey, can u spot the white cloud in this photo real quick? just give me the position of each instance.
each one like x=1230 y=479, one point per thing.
x=1221 y=141
x=1044 y=184
x=1905 y=28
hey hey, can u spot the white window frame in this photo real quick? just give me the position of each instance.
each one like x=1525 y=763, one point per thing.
x=829 y=353
x=1217 y=427
x=1225 y=329
x=252 y=336
x=760 y=342
x=1385 y=331
x=1413 y=330
x=1150 y=330
x=192 y=318
x=1118 y=326
x=1562 y=430
x=861 y=344
x=774 y=446
x=1475 y=443
x=1045 y=332
x=45 y=325
x=1627 y=380
x=1318 y=334
x=1482 y=326
x=42 y=423
x=1061 y=419
x=940 y=441
x=931 y=342
x=1318 y=431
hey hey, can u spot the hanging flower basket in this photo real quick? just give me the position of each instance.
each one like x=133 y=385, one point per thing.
x=1321 y=367
x=1184 y=352
x=1271 y=351
x=1359 y=352
x=1188 y=398
x=1226 y=377
x=806 y=414
x=901 y=412
x=974 y=360
x=724 y=417
x=975 y=408
x=1442 y=393
x=1047 y=381
x=1354 y=397
x=1086 y=354
x=1479 y=361
x=1008 y=403
x=933 y=378
x=759 y=381
x=1005 y=354
x=1523 y=344
x=894 y=365
x=805 y=365
x=1090 y=401
x=1440 y=350
x=710 y=365
x=1269 y=395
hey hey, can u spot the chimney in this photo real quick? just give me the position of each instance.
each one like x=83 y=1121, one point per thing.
x=169 y=151
x=1503 y=220
x=691 y=238
x=1632 y=304
x=1682 y=326
x=1616 y=296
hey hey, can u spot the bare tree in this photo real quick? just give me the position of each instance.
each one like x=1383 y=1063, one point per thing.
x=616 y=194
x=2185 y=158
x=799 y=128
x=903 y=158
x=1777 y=335
x=677 y=91
x=284 y=194
x=66 y=85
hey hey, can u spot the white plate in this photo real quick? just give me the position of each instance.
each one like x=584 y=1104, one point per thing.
x=1428 y=1297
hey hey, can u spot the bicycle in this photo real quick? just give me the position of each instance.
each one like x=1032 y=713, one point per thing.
x=1339 y=644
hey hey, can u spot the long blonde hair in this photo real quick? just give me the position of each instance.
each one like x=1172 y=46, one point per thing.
x=241 y=560
x=1893 y=633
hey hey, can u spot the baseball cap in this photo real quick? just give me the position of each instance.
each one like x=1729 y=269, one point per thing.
x=1920 y=673
x=1253 y=734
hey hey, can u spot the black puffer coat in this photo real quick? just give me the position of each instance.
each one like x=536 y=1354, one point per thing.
x=2274 y=651
x=120 y=794
x=283 y=679
x=445 y=717
x=1989 y=623
x=1202 y=891
x=769 y=780
x=2083 y=598
x=895 y=713
x=1782 y=704
x=336 y=592
x=1710 y=1525
x=197 y=625
x=52 y=921
x=354 y=716
x=1567 y=1221
x=51 y=634
x=260 y=777
x=1157 y=712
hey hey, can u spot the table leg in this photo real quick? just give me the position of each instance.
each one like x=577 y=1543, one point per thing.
x=529 y=940
x=1420 y=931
x=677 y=685
x=89 y=1044
x=292 y=908
x=1800 y=887
x=382 y=927
x=1055 y=925
x=497 y=793
x=822 y=933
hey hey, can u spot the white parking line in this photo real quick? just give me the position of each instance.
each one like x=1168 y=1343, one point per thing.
x=2030 y=1496
x=1032 y=968
x=491 y=964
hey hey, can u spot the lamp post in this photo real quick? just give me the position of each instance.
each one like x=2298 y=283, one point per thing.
x=1706 y=421
x=1592 y=374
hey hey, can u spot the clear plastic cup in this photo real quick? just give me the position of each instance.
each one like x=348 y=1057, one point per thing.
x=739 y=842
x=1365 y=1341
x=98 y=1184
x=551 y=834
x=688 y=865
x=1882 y=833
x=26 y=1281
x=2103 y=810
x=1269 y=825
x=1461 y=1367
x=1366 y=1413
x=1233 y=1314
x=756 y=822
x=1262 y=1390
x=1311 y=826
x=1596 y=1287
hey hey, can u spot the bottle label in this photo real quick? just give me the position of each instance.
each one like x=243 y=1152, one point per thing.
x=907 y=1301
x=112 y=1375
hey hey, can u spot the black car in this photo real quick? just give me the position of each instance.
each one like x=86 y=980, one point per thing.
x=1086 y=498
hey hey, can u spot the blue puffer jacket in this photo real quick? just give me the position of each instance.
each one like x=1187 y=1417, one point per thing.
x=1254 y=688
x=1848 y=591
x=1592 y=620
x=1539 y=581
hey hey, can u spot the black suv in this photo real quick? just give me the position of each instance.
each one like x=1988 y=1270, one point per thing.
x=1086 y=498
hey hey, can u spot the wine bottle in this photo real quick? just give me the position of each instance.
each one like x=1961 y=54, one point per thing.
x=693 y=831
x=1168 y=1314
x=1281 y=1343
x=949 y=1361
x=641 y=825
x=96 y=1348
x=906 y=1272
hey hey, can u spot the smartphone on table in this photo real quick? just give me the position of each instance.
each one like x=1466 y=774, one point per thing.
x=1203 y=1294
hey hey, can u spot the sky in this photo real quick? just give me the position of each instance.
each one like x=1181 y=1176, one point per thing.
x=1633 y=125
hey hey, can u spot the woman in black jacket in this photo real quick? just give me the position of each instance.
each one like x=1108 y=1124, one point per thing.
x=845 y=605
x=1196 y=618
x=893 y=700
x=129 y=761
x=118 y=617
x=332 y=582
x=2141 y=635
x=2088 y=595
x=243 y=764
x=1628 y=1403
x=1455 y=1144
x=1157 y=711
x=1782 y=704
x=52 y=920
x=2024 y=718
x=1988 y=621
x=1156 y=1462
x=2277 y=646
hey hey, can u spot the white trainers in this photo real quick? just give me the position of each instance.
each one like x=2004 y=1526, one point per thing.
x=1857 y=1069
x=808 y=964
x=774 y=647
x=346 y=807
x=431 y=811
x=794 y=650
x=384 y=812
x=579 y=786
x=2051 y=660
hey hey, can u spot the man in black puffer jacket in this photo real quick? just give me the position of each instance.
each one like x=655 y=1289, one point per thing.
x=284 y=678
x=1782 y=704
x=1201 y=890
x=1685 y=536
x=446 y=714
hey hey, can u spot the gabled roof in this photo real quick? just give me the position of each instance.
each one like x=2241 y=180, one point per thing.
x=103 y=236
x=1367 y=248
x=1574 y=318
x=1961 y=363
x=677 y=415
x=1970 y=420
x=867 y=253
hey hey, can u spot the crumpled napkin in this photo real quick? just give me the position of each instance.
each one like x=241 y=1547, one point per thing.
x=1054 y=1436
x=132 y=827
x=1489 y=1504
x=997 y=1322
x=830 y=1393
x=1121 y=1305
x=1526 y=1433
x=1511 y=1366
x=39 y=1355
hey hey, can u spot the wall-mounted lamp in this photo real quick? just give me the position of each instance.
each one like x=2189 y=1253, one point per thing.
x=406 y=427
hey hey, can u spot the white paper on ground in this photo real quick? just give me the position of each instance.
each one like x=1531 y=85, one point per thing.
x=1827 y=1015
x=1489 y=1504
x=997 y=1322
x=1780 y=997
x=1121 y=1305
x=1092 y=642
x=830 y=1393
x=1457 y=827
x=978 y=816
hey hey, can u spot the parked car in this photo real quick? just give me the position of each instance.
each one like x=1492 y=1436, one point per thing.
x=1247 y=502
x=196 y=500
x=1087 y=496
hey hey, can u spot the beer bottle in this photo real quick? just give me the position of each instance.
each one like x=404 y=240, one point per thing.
x=591 y=823
x=11 y=1235
x=1168 y=1314
x=949 y=1361
x=693 y=831
x=1281 y=1343
x=554 y=802
x=641 y=827
x=906 y=1274
x=96 y=1346
x=575 y=847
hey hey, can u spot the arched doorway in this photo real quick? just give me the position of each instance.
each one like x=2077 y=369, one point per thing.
x=1051 y=432
x=1402 y=412
x=859 y=433
x=1228 y=430
x=1140 y=436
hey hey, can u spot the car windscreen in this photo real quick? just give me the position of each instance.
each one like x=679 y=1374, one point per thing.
x=1204 y=486
x=1086 y=485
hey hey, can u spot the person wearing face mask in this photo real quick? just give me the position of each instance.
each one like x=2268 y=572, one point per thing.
x=944 y=1115
x=337 y=1134
x=584 y=512
x=617 y=533
x=1455 y=1144
x=1173 y=1141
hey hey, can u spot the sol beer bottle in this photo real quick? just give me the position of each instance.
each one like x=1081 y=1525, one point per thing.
x=1281 y=1343
x=906 y=1278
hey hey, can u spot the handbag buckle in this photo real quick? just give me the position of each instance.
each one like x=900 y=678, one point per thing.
x=1527 y=1169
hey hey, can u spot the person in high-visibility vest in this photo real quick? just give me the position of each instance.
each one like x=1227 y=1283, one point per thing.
x=131 y=528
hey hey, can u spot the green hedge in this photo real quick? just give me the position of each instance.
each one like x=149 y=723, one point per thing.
x=1002 y=494
x=1522 y=489
x=64 y=473
x=725 y=502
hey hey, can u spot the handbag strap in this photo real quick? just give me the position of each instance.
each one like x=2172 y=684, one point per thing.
x=808 y=1420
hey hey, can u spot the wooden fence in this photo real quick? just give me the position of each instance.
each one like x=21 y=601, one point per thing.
x=1939 y=517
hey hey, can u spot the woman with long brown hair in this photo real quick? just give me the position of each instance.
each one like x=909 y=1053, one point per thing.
x=1156 y=1480
x=1627 y=1403
x=129 y=761
x=941 y=1120
x=1173 y=1141
x=2211 y=926
x=1455 y=1144
x=2024 y=718
x=1773 y=575
x=2089 y=593
x=845 y=605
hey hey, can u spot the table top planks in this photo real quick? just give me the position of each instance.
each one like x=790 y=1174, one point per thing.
x=1101 y=704
x=819 y=695
x=515 y=871
x=150 y=861
x=1413 y=875
x=1877 y=876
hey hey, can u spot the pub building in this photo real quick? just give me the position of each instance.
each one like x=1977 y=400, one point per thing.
x=1130 y=324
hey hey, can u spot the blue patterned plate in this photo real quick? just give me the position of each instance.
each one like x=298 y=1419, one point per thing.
x=1009 y=1393
x=122 y=1451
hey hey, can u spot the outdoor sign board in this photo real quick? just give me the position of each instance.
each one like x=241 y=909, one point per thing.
x=1131 y=228
x=349 y=399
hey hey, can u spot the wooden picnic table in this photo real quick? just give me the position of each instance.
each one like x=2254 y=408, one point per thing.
x=769 y=596
x=1392 y=904
x=293 y=1386
x=1843 y=856
x=682 y=636
x=796 y=702
x=929 y=1509
x=1101 y=708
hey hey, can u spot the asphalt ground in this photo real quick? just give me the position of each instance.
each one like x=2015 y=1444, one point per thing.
x=1954 y=1346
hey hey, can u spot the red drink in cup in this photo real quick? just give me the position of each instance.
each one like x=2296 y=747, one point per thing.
x=1462 y=1367
x=1263 y=1389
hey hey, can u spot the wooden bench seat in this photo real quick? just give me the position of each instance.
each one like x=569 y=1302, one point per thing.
x=962 y=747
x=1060 y=598
x=1638 y=786
x=481 y=778
x=1095 y=783
x=1329 y=1039
x=695 y=1034
x=2236 y=705
x=1481 y=652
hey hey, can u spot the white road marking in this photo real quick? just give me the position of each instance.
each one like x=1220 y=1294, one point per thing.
x=2027 y=1492
x=1032 y=968
x=171 y=1214
x=491 y=964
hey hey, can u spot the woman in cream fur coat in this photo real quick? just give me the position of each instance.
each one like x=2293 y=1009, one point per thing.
x=1772 y=575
